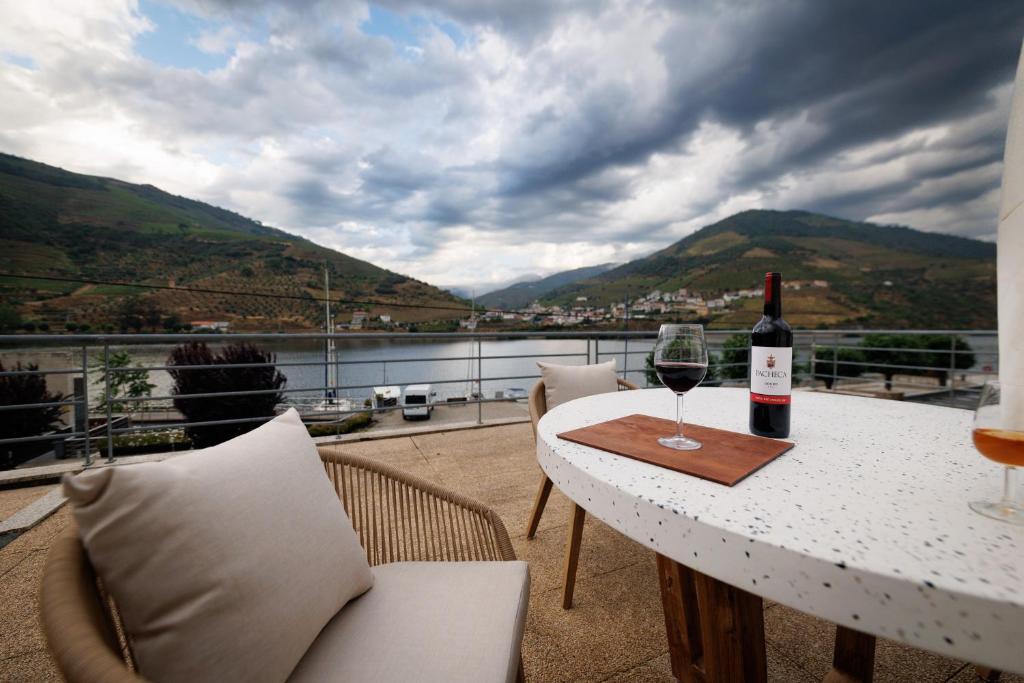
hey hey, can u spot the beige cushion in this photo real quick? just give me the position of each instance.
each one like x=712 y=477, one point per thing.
x=225 y=562
x=564 y=383
x=426 y=621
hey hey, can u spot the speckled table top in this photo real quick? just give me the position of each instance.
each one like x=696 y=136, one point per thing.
x=864 y=523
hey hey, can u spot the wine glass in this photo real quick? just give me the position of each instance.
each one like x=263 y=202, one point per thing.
x=999 y=439
x=681 y=361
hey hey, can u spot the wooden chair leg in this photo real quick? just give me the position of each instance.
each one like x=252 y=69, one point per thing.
x=572 y=555
x=543 y=491
x=853 y=660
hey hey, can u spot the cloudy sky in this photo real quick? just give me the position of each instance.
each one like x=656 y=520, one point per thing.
x=467 y=142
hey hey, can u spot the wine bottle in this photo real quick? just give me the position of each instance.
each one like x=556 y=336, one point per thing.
x=771 y=365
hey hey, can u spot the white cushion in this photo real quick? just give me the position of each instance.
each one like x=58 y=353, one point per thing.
x=426 y=621
x=564 y=383
x=227 y=562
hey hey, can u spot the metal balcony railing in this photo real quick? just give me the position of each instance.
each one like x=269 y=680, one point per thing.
x=346 y=367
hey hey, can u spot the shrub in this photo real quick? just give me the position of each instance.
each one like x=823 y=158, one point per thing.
x=349 y=424
x=145 y=442
x=907 y=351
x=710 y=379
x=128 y=384
x=823 y=365
x=18 y=390
x=735 y=357
x=10 y=319
x=216 y=380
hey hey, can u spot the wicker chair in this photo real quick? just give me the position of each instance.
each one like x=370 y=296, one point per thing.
x=538 y=407
x=397 y=517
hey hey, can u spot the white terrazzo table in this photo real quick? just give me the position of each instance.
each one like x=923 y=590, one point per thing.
x=864 y=523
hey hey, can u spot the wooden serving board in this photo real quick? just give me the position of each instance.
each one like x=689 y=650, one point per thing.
x=726 y=457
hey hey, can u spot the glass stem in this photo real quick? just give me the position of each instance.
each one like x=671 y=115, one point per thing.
x=1010 y=487
x=679 y=416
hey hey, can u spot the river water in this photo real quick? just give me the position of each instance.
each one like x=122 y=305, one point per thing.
x=452 y=366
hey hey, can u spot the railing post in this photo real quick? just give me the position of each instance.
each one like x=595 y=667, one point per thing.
x=85 y=403
x=479 y=382
x=835 y=362
x=814 y=358
x=952 y=369
x=106 y=398
x=597 y=350
x=625 y=359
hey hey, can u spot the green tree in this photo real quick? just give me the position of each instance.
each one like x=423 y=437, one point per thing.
x=735 y=357
x=23 y=422
x=710 y=379
x=265 y=378
x=137 y=313
x=908 y=354
x=845 y=364
x=124 y=382
x=10 y=319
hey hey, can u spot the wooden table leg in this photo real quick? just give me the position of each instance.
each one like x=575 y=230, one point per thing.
x=988 y=675
x=853 y=660
x=715 y=631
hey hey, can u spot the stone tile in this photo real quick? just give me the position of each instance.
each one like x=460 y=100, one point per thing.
x=9 y=559
x=806 y=641
x=19 y=619
x=40 y=537
x=602 y=550
x=809 y=642
x=32 y=667
x=968 y=675
x=782 y=668
x=615 y=626
x=898 y=662
x=12 y=500
x=657 y=670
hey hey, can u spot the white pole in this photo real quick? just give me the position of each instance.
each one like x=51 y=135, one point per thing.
x=1010 y=265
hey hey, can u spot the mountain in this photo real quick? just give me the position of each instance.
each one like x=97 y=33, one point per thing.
x=522 y=294
x=62 y=224
x=876 y=276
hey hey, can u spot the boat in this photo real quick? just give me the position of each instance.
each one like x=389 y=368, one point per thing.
x=386 y=397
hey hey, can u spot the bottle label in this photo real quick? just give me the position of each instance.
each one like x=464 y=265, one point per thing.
x=771 y=374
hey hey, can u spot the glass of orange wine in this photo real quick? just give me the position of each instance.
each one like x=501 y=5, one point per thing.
x=1005 y=446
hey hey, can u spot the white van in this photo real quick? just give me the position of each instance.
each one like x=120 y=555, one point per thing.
x=417 y=401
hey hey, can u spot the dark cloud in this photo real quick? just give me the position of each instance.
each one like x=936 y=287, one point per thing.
x=618 y=126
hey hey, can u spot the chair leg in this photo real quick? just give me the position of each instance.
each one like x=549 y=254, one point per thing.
x=543 y=491
x=572 y=555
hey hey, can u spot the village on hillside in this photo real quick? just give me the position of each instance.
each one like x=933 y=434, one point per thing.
x=688 y=302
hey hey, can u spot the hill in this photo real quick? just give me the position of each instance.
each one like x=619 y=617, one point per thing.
x=522 y=294
x=876 y=276
x=58 y=223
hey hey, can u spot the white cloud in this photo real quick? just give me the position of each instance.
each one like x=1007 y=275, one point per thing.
x=542 y=137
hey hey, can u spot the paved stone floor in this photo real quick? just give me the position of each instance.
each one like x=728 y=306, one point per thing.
x=615 y=632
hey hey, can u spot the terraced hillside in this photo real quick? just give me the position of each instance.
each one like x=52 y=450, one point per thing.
x=57 y=223
x=883 y=276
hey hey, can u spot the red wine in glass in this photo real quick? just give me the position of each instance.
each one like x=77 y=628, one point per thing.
x=681 y=362
x=680 y=377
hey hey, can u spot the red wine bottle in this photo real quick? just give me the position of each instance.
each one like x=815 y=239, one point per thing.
x=771 y=365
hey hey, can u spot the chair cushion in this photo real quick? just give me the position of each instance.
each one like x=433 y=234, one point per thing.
x=225 y=562
x=426 y=621
x=564 y=383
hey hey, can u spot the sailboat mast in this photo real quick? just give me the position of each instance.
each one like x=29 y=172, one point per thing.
x=328 y=344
